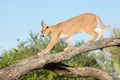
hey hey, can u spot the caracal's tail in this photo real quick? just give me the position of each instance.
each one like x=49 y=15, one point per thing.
x=101 y=24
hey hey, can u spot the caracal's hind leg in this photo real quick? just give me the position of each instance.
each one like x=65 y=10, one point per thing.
x=94 y=35
x=101 y=32
x=69 y=39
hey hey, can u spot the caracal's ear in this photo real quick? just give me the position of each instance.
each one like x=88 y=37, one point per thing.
x=43 y=24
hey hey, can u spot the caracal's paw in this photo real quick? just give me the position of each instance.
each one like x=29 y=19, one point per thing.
x=41 y=54
x=101 y=38
x=90 y=41
x=66 y=49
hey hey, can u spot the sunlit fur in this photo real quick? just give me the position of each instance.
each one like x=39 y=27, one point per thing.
x=82 y=23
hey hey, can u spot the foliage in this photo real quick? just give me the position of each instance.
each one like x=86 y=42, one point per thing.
x=115 y=51
x=109 y=58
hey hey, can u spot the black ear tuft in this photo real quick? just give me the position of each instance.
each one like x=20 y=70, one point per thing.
x=47 y=27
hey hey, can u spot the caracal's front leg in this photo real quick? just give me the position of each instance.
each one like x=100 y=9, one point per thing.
x=50 y=46
x=69 y=39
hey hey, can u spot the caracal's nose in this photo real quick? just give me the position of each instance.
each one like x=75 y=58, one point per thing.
x=42 y=35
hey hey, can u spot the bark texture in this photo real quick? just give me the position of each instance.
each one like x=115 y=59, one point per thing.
x=14 y=71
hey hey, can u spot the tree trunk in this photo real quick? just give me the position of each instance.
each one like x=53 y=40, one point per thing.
x=14 y=71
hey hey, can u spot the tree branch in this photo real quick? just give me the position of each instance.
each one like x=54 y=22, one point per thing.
x=73 y=72
x=36 y=62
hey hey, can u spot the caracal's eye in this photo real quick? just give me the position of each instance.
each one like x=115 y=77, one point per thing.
x=41 y=31
x=47 y=27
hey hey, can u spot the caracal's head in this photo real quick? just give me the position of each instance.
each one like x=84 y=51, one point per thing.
x=45 y=29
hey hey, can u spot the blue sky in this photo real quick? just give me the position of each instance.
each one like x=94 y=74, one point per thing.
x=18 y=17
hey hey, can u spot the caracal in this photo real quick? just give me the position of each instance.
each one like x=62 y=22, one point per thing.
x=82 y=23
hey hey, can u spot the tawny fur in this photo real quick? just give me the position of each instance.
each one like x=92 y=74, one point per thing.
x=82 y=23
